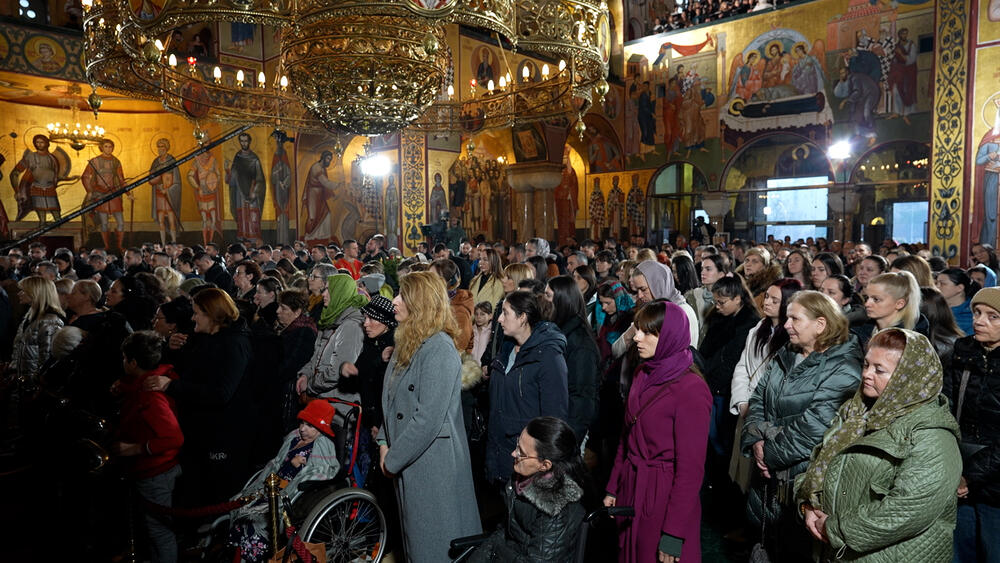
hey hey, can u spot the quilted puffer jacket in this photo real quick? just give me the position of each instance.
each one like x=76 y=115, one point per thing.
x=542 y=525
x=793 y=406
x=33 y=344
x=891 y=494
x=980 y=420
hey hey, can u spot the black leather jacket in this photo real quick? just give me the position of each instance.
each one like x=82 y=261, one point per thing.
x=543 y=523
x=980 y=418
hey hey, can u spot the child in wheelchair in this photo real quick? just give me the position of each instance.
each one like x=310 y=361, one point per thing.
x=307 y=454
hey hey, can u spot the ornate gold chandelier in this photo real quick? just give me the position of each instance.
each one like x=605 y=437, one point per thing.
x=357 y=66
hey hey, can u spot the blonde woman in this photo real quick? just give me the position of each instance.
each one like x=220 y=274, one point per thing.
x=33 y=342
x=892 y=300
x=422 y=442
x=171 y=279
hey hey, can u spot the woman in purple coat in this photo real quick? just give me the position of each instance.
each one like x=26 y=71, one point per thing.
x=661 y=457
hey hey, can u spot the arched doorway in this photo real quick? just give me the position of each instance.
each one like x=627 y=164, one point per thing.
x=891 y=183
x=780 y=186
x=673 y=200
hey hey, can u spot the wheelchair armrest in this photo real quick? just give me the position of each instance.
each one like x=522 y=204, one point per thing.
x=468 y=541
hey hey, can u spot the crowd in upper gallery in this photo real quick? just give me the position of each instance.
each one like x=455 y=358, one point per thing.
x=845 y=395
x=696 y=12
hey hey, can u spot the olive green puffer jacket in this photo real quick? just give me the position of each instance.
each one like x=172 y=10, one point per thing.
x=891 y=494
x=793 y=406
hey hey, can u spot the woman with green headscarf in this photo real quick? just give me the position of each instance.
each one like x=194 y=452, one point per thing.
x=339 y=342
x=881 y=486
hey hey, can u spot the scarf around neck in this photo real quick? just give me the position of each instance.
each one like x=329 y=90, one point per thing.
x=916 y=380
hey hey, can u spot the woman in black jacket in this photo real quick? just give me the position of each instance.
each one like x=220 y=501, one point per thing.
x=544 y=498
x=972 y=386
x=527 y=378
x=730 y=320
x=214 y=399
x=583 y=359
x=298 y=339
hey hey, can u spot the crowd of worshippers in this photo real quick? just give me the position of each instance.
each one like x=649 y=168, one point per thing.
x=847 y=397
x=696 y=12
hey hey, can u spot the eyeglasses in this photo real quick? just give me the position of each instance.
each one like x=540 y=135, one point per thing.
x=519 y=454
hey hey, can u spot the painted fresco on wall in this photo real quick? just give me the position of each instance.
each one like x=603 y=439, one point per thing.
x=988 y=21
x=848 y=69
x=42 y=53
x=985 y=147
x=776 y=82
x=671 y=101
x=603 y=149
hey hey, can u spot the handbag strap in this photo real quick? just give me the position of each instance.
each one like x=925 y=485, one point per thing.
x=961 y=394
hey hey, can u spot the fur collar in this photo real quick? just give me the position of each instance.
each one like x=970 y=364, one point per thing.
x=472 y=373
x=551 y=495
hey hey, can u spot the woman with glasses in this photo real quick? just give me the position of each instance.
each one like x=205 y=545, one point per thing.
x=661 y=461
x=543 y=498
x=316 y=284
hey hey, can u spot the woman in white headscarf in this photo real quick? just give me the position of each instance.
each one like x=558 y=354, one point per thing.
x=651 y=281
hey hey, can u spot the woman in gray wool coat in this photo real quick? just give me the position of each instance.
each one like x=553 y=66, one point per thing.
x=422 y=441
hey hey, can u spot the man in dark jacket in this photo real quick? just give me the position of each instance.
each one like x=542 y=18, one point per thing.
x=214 y=272
x=972 y=384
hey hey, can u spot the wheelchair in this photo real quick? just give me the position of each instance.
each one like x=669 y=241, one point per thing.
x=336 y=513
x=466 y=545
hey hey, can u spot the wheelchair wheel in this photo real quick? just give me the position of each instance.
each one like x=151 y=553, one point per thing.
x=350 y=524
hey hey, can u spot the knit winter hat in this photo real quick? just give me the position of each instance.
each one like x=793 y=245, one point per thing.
x=989 y=296
x=381 y=309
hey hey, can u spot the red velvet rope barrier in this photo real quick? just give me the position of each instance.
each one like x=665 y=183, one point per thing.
x=298 y=546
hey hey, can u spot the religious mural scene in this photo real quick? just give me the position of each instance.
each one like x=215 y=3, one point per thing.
x=741 y=255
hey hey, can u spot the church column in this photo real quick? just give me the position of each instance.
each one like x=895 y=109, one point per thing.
x=948 y=148
x=534 y=206
x=523 y=204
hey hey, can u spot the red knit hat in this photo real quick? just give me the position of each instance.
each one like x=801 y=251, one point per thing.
x=320 y=414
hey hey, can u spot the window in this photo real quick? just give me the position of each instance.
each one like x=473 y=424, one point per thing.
x=909 y=221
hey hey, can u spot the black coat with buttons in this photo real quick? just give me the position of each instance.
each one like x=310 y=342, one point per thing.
x=980 y=417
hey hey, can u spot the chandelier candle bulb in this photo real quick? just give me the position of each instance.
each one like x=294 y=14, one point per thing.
x=451 y=92
x=503 y=84
x=525 y=74
x=261 y=79
x=562 y=65
x=159 y=45
x=217 y=75
x=489 y=87
x=240 y=77
x=172 y=60
x=283 y=83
